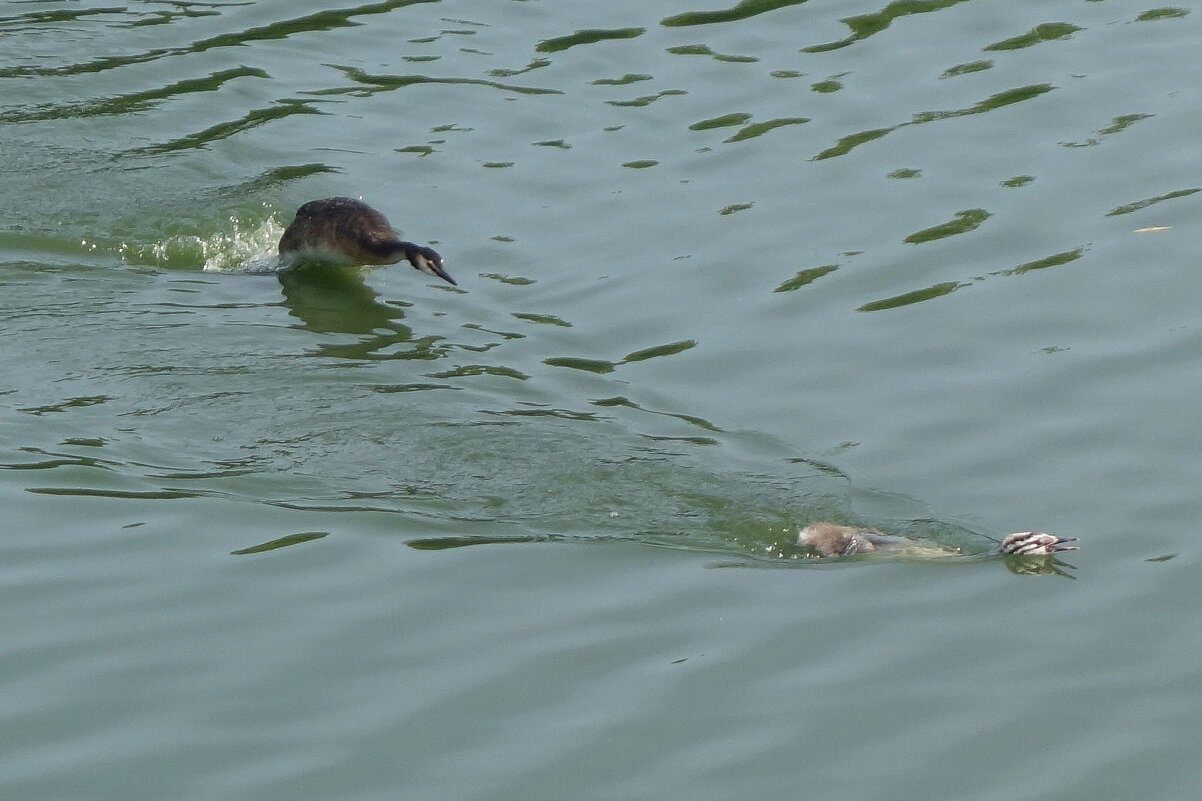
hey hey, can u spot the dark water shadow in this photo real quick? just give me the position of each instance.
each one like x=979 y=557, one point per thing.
x=336 y=300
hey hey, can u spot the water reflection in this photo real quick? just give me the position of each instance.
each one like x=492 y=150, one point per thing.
x=329 y=300
x=1038 y=566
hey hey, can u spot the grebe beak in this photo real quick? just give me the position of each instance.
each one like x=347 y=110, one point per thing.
x=430 y=263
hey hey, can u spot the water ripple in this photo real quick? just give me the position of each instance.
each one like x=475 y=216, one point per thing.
x=910 y=298
x=991 y=103
x=1128 y=208
x=1055 y=260
x=646 y=100
x=739 y=11
x=726 y=120
x=1047 y=32
x=387 y=83
x=1118 y=125
x=591 y=36
x=761 y=128
x=866 y=25
x=282 y=109
x=282 y=542
x=964 y=222
x=692 y=420
x=704 y=50
x=601 y=366
x=804 y=277
x=1161 y=13
x=542 y=319
x=131 y=102
x=320 y=21
x=80 y=402
x=87 y=492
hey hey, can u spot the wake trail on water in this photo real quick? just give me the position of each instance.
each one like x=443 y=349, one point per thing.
x=244 y=245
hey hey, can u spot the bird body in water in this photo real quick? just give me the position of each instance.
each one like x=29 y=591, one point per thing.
x=340 y=230
x=829 y=539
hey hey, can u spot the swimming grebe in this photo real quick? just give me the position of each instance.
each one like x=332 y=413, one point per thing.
x=829 y=539
x=340 y=230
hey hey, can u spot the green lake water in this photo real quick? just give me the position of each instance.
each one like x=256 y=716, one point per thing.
x=928 y=266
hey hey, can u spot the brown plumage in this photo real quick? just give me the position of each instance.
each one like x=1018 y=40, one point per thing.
x=340 y=230
x=830 y=539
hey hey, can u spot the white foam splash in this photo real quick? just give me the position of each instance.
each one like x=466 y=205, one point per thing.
x=244 y=247
x=243 y=250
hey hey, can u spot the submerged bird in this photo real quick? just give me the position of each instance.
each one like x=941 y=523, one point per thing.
x=340 y=230
x=829 y=539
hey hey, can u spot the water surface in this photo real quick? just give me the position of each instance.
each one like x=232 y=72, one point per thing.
x=724 y=271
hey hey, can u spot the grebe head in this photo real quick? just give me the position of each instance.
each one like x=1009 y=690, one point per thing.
x=427 y=261
x=1035 y=543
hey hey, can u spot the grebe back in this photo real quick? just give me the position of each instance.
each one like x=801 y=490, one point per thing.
x=341 y=230
x=829 y=539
